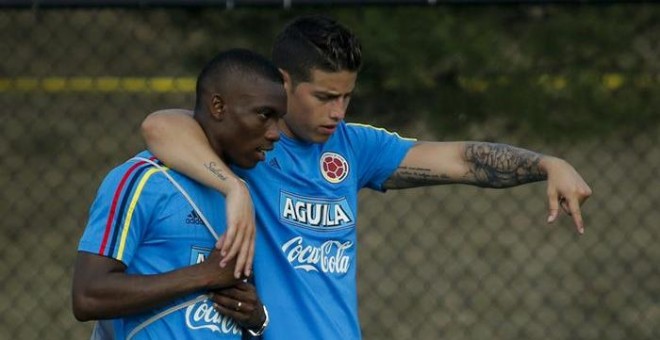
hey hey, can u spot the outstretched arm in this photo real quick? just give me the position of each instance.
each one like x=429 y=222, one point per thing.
x=493 y=165
x=175 y=138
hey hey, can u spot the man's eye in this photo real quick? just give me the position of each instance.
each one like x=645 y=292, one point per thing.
x=265 y=113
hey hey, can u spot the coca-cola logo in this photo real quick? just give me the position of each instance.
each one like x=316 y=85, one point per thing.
x=329 y=257
x=202 y=315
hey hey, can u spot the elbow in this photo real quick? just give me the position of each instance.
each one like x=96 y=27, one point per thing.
x=82 y=309
x=150 y=128
x=85 y=308
x=161 y=123
x=82 y=316
x=91 y=292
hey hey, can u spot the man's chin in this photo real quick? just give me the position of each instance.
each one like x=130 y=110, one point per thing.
x=320 y=138
x=246 y=164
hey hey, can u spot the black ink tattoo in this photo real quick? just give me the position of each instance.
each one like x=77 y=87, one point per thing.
x=212 y=167
x=409 y=177
x=501 y=166
x=489 y=165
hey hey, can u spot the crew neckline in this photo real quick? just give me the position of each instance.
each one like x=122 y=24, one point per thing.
x=293 y=141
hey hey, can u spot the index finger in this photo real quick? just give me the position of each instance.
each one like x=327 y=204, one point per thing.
x=241 y=260
x=574 y=206
x=228 y=239
x=250 y=257
x=553 y=203
x=235 y=248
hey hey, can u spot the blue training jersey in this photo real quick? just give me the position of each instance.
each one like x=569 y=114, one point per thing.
x=142 y=220
x=305 y=198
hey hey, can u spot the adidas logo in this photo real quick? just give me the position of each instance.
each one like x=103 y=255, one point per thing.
x=273 y=162
x=193 y=218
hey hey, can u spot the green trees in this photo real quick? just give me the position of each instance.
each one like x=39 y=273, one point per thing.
x=562 y=71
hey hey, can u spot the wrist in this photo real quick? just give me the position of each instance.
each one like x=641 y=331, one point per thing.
x=190 y=279
x=234 y=184
x=221 y=177
x=546 y=163
x=208 y=276
x=260 y=330
x=200 y=275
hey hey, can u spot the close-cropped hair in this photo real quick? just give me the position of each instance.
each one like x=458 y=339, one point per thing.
x=316 y=42
x=229 y=65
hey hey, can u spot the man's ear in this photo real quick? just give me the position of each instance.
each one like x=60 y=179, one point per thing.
x=288 y=82
x=217 y=107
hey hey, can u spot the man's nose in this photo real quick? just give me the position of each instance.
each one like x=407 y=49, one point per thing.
x=272 y=132
x=338 y=109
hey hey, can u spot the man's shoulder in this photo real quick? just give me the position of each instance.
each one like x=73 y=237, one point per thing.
x=366 y=133
x=353 y=130
x=121 y=171
x=359 y=126
x=367 y=128
x=140 y=171
x=130 y=167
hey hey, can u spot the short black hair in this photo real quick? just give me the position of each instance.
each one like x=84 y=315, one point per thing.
x=226 y=66
x=316 y=42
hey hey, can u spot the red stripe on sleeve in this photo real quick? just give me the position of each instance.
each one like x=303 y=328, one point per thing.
x=113 y=207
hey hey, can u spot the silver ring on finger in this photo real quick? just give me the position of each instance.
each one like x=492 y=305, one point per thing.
x=238 y=306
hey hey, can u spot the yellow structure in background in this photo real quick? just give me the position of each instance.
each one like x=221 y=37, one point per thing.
x=610 y=81
x=98 y=84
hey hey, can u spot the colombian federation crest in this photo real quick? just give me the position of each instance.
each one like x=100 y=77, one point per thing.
x=333 y=167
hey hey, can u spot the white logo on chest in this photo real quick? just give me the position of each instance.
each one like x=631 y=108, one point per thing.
x=314 y=213
x=202 y=315
x=330 y=257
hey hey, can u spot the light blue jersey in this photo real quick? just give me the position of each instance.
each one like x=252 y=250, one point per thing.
x=305 y=197
x=142 y=220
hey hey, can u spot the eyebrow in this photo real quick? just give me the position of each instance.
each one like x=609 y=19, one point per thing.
x=271 y=109
x=331 y=93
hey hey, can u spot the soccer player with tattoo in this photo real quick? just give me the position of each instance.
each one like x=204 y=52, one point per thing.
x=306 y=190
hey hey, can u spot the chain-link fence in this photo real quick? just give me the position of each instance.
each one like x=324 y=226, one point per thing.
x=452 y=262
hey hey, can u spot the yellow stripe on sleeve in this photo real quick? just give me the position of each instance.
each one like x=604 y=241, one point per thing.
x=383 y=130
x=131 y=208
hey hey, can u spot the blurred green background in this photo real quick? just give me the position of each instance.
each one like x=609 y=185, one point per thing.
x=450 y=262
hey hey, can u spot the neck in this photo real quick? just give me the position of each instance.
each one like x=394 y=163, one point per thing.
x=213 y=142
x=285 y=129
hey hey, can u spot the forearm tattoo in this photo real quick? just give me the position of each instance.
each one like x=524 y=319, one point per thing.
x=213 y=168
x=489 y=165
x=410 y=177
x=500 y=166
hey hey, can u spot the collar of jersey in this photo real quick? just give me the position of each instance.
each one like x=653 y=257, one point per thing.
x=294 y=141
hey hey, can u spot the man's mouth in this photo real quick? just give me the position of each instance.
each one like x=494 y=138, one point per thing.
x=262 y=151
x=328 y=128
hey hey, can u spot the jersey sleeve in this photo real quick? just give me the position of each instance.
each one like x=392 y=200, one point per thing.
x=121 y=212
x=378 y=153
